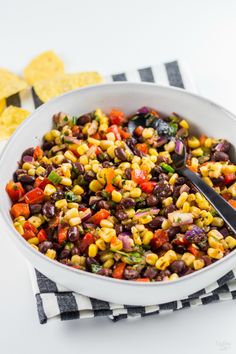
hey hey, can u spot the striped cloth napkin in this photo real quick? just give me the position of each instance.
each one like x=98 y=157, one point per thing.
x=55 y=301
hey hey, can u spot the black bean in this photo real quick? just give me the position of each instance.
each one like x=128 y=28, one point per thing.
x=47 y=145
x=28 y=152
x=118 y=228
x=180 y=181
x=220 y=156
x=169 y=209
x=207 y=260
x=128 y=173
x=141 y=204
x=48 y=210
x=165 y=273
x=18 y=173
x=28 y=187
x=138 y=152
x=156 y=171
x=128 y=226
x=127 y=203
x=224 y=231
x=44 y=246
x=26 y=179
x=131 y=143
x=64 y=253
x=219 y=181
x=121 y=215
x=166 y=247
x=103 y=157
x=223 y=146
x=163 y=177
x=162 y=189
x=85 y=118
x=106 y=164
x=152 y=200
x=130 y=274
x=89 y=176
x=105 y=272
x=89 y=261
x=120 y=154
x=35 y=208
x=103 y=204
x=57 y=195
x=173 y=231
x=74 y=251
x=156 y=222
x=73 y=234
x=150 y=272
x=176 y=192
x=78 y=167
x=178 y=266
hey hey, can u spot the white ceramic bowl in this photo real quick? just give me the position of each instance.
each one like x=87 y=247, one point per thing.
x=203 y=115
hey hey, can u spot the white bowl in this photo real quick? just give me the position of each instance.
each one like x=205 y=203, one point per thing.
x=203 y=115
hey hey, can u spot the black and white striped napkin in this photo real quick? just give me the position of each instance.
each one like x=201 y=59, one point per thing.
x=55 y=301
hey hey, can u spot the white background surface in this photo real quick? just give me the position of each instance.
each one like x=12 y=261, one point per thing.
x=110 y=36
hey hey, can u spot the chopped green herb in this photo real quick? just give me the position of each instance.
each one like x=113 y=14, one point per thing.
x=166 y=167
x=54 y=177
x=74 y=120
x=173 y=127
x=65 y=119
x=71 y=197
x=95 y=268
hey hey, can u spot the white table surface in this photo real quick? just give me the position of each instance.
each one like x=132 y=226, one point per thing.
x=111 y=36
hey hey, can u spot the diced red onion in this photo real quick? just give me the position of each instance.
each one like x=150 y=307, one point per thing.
x=179 y=219
x=88 y=225
x=94 y=199
x=143 y=110
x=161 y=141
x=179 y=147
x=153 y=211
x=28 y=158
x=127 y=241
x=71 y=139
x=184 y=188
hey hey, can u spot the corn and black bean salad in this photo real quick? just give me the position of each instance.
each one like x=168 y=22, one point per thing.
x=96 y=198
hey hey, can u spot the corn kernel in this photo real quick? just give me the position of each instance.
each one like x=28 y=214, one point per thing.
x=60 y=204
x=111 y=136
x=151 y=258
x=57 y=159
x=116 y=196
x=148 y=235
x=31 y=172
x=40 y=171
x=49 y=189
x=19 y=228
x=51 y=253
x=231 y=241
x=75 y=259
x=182 y=198
x=82 y=149
x=166 y=224
x=106 y=223
x=213 y=242
x=95 y=186
x=77 y=190
x=72 y=213
x=188 y=258
x=83 y=160
x=109 y=263
x=170 y=147
x=129 y=185
x=208 y=181
x=145 y=219
x=72 y=205
x=186 y=207
x=168 y=201
x=66 y=181
x=35 y=220
x=198 y=264
x=193 y=142
x=162 y=263
x=147 y=133
x=195 y=211
x=171 y=256
x=137 y=239
x=173 y=179
x=70 y=156
x=105 y=144
x=34 y=241
x=116 y=244
x=194 y=163
x=173 y=276
x=48 y=137
x=75 y=221
x=215 y=253
x=101 y=244
x=208 y=142
x=197 y=152
x=153 y=152
x=184 y=124
x=216 y=234
x=92 y=250
x=135 y=193
x=111 y=151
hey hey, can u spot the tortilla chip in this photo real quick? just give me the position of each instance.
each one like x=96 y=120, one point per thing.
x=2 y=105
x=49 y=89
x=45 y=66
x=10 y=119
x=10 y=83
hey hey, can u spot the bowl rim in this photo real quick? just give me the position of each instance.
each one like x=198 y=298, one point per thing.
x=83 y=272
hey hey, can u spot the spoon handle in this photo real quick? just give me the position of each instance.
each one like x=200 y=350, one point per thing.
x=223 y=208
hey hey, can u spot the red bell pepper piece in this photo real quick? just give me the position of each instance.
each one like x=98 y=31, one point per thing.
x=110 y=174
x=194 y=250
x=114 y=129
x=117 y=117
x=38 y=153
x=124 y=134
x=139 y=176
x=30 y=230
x=41 y=182
x=143 y=280
x=87 y=240
x=232 y=202
x=160 y=237
x=15 y=190
x=98 y=150
x=100 y=215
x=42 y=236
x=62 y=235
x=119 y=270
x=138 y=131
x=229 y=178
x=34 y=196
x=20 y=209
x=142 y=147
x=147 y=187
